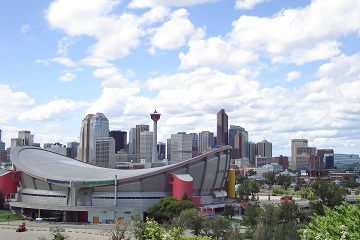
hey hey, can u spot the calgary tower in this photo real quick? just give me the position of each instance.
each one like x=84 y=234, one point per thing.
x=155 y=117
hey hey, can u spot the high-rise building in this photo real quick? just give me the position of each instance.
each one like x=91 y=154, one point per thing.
x=206 y=140
x=2 y=144
x=105 y=152
x=132 y=141
x=181 y=147
x=302 y=157
x=282 y=161
x=71 y=149
x=140 y=128
x=99 y=128
x=252 y=153
x=83 y=153
x=241 y=149
x=222 y=128
x=120 y=139
x=155 y=117
x=15 y=142
x=161 y=149
x=296 y=143
x=264 y=149
x=327 y=155
x=26 y=138
x=146 y=146
x=194 y=144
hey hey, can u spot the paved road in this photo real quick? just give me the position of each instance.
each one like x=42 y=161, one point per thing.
x=41 y=230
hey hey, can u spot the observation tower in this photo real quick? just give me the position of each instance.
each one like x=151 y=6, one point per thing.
x=155 y=116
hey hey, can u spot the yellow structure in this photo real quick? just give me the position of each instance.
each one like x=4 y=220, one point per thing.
x=230 y=188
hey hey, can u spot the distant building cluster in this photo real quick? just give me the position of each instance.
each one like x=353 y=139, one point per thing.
x=139 y=148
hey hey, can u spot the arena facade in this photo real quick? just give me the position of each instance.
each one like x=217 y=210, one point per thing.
x=51 y=185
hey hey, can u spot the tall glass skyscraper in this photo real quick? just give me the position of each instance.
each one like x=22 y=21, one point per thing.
x=222 y=128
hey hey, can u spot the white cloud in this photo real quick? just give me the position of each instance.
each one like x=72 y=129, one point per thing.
x=299 y=35
x=67 y=77
x=291 y=76
x=12 y=103
x=168 y=3
x=64 y=61
x=42 y=61
x=64 y=44
x=116 y=35
x=58 y=109
x=214 y=52
x=172 y=34
x=25 y=30
x=247 y=4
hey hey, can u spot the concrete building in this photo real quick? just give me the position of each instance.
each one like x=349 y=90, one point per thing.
x=222 y=128
x=297 y=143
x=105 y=152
x=16 y=142
x=83 y=153
x=57 y=148
x=140 y=128
x=26 y=137
x=206 y=141
x=132 y=141
x=98 y=195
x=146 y=146
x=181 y=147
x=282 y=161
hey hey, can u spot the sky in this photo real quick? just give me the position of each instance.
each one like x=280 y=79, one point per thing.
x=281 y=69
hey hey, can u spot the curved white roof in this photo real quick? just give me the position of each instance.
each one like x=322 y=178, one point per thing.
x=44 y=164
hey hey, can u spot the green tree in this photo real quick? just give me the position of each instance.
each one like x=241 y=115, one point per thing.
x=58 y=233
x=191 y=219
x=229 y=210
x=289 y=211
x=138 y=227
x=350 y=183
x=284 y=180
x=248 y=188
x=153 y=231
x=216 y=227
x=168 y=208
x=119 y=231
x=251 y=172
x=328 y=193
x=240 y=178
x=270 y=179
x=251 y=214
x=342 y=222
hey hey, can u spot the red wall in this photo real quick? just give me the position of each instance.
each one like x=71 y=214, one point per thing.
x=181 y=187
x=8 y=182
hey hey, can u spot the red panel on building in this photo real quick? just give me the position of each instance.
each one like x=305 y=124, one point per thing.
x=9 y=182
x=182 y=183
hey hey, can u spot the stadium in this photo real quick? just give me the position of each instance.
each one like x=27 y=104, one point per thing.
x=50 y=185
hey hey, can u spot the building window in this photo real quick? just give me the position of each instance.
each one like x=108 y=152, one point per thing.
x=16 y=175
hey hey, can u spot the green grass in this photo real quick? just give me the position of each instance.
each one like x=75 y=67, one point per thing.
x=4 y=214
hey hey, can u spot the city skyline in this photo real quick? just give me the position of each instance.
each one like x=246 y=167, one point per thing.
x=282 y=70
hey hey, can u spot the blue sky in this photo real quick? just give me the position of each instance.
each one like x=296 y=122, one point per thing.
x=280 y=69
